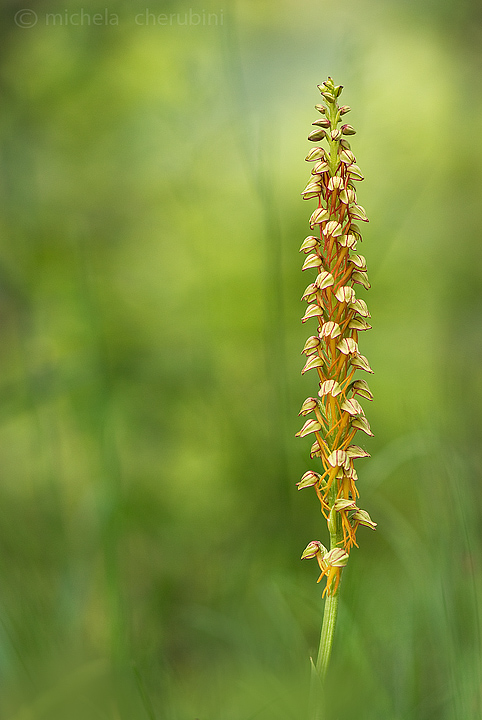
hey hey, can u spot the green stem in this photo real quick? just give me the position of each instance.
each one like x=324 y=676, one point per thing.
x=327 y=629
x=327 y=633
x=318 y=671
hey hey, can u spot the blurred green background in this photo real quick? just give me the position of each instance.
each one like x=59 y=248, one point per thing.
x=150 y=527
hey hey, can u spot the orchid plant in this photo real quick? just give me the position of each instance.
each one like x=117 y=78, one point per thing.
x=336 y=415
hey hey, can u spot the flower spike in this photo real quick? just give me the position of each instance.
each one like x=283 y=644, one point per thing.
x=339 y=316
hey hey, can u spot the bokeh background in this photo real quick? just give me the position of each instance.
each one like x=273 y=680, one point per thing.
x=150 y=337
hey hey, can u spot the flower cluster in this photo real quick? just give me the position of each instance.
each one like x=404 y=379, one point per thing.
x=333 y=352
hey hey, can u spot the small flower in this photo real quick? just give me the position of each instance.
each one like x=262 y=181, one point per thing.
x=311 y=345
x=310 y=426
x=308 y=406
x=309 y=479
x=313 y=549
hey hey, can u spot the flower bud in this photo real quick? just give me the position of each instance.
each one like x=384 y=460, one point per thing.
x=348 y=130
x=335 y=134
x=324 y=123
x=344 y=109
x=329 y=97
x=316 y=135
x=321 y=109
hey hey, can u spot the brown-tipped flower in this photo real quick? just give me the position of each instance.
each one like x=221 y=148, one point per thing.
x=332 y=349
